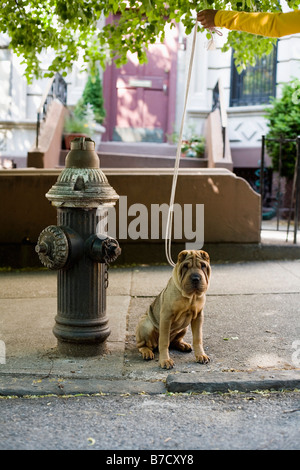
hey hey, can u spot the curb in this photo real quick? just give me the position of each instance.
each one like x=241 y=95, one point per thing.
x=234 y=381
x=26 y=386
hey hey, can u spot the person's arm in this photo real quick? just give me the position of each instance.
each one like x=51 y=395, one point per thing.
x=262 y=24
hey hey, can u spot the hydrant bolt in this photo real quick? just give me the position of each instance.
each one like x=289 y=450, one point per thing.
x=42 y=248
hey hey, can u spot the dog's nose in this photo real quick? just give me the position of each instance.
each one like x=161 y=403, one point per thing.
x=195 y=278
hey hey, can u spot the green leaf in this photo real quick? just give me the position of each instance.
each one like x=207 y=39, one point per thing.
x=283 y=119
x=69 y=27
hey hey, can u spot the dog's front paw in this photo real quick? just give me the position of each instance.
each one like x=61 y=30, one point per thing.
x=203 y=359
x=147 y=353
x=182 y=346
x=167 y=363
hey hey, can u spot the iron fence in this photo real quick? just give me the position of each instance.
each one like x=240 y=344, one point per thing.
x=279 y=205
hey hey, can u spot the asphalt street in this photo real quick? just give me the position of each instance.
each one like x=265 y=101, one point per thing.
x=247 y=397
x=173 y=423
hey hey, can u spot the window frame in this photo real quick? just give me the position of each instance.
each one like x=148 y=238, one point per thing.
x=238 y=97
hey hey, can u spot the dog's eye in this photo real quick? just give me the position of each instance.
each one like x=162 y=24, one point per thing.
x=203 y=266
x=184 y=269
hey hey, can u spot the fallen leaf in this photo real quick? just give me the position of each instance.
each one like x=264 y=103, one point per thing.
x=91 y=441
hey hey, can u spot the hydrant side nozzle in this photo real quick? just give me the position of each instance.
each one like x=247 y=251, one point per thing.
x=52 y=247
x=102 y=248
x=111 y=250
x=59 y=247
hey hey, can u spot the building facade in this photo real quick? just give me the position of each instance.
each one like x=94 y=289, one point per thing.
x=246 y=96
x=152 y=96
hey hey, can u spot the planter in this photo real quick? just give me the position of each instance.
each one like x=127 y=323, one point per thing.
x=96 y=136
x=69 y=137
x=193 y=148
x=98 y=130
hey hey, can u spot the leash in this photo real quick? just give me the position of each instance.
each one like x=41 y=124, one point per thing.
x=169 y=224
x=177 y=160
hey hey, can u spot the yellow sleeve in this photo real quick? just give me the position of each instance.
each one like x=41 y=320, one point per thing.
x=263 y=24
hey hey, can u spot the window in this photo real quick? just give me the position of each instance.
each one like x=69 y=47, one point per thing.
x=5 y=83
x=256 y=84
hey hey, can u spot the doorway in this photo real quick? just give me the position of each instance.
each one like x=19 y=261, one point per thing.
x=140 y=100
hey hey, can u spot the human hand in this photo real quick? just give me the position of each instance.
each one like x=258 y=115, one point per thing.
x=207 y=18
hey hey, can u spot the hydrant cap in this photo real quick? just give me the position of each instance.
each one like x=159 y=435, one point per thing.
x=82 y=183
x=82 y=154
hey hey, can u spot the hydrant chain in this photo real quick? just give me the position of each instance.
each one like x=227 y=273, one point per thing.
x=106 y=281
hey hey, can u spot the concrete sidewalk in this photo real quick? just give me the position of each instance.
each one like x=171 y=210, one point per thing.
x=251 y=332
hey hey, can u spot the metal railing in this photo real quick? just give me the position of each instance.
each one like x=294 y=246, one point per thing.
x=295 y=196
x=219 y=103
x=56 y=88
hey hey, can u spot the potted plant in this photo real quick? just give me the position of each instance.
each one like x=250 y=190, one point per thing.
x=93 y=95
x=75 y=127
x=193 y=147
x=192 y=144
x=91 y=106
x=89 y=113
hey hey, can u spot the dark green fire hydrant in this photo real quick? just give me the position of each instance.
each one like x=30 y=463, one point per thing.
x=79 y=254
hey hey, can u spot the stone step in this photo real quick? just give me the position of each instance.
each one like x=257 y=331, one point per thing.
x=127 y=160
x=139 y=148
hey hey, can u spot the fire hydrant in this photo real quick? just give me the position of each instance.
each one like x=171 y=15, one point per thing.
x=80 y=255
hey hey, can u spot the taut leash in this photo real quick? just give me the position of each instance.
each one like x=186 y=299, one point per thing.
x=177 y=160
x=168 y=235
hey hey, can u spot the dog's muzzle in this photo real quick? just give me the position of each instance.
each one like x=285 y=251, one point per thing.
x=195 y=279
x=196 y=284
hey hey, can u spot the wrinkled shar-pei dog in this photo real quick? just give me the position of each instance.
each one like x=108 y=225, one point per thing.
x=181 y=303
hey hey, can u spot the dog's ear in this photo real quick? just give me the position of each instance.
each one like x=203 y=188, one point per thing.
x=182 y=256
x=204 y=255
